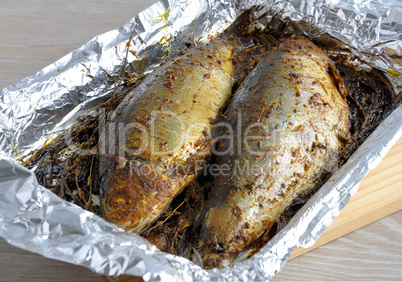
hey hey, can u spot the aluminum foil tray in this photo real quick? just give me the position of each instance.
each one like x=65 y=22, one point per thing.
x=34 y=219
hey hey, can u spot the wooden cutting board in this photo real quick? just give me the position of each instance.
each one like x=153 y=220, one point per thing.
x=379 y=195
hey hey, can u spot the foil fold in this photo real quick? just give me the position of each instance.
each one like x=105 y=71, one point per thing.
x=33 y=218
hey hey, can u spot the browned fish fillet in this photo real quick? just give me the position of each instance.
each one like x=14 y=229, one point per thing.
x=163 y=126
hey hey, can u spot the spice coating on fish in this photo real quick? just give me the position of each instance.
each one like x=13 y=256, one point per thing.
x=288 y=118
x=163 y=129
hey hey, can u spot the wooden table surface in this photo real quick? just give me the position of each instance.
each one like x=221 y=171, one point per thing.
x=35 y=33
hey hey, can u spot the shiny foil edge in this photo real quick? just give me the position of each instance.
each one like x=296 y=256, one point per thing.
x=82 y=238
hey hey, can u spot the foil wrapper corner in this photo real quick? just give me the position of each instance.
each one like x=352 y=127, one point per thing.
x=34 y=219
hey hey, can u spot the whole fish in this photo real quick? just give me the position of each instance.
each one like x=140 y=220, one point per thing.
x=288 y=119
x=159 y=134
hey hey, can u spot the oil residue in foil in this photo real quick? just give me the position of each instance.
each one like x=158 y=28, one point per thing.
x=74 y=176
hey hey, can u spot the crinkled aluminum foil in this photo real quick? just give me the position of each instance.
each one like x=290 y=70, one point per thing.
x=30 y=215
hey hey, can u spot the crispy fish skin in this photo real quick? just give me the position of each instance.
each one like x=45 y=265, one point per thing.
x=167 y=119
x=292 y=118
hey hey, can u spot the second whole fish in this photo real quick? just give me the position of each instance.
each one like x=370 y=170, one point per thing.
x=286 y=123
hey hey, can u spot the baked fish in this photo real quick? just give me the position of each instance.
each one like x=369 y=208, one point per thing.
x=288 y=119
x=160 y=134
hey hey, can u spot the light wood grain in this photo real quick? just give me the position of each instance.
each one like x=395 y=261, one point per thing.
x=371 y=253
x=35 y=33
